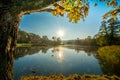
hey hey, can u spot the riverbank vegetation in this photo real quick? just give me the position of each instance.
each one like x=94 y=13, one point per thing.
x=109 y=59
x=31 y=39
x=109 y=32
x=110 y=53
x=71 y=77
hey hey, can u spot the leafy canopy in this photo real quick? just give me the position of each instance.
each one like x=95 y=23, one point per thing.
x=78 y=9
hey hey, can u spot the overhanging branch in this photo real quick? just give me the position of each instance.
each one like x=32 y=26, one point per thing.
x=112 y=13
x=35 y=5
x=39 y=10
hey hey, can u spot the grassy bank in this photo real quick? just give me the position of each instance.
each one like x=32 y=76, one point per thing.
x=110 y=53
x=109 y=59
x=71 y=77
x=24 y=44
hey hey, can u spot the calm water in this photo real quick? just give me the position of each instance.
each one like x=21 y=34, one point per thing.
x=66 y=60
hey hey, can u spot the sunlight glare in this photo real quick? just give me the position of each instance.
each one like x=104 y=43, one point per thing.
x=60 y=33
x=60 y=56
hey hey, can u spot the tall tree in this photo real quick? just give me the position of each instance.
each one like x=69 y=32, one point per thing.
x=113 y=30
x=102 y=36
x=108 y=32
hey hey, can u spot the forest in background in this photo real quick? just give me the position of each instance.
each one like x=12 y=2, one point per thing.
x=36 y=40
x=108 y=34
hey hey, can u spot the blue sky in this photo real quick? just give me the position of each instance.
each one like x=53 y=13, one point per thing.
x=44 y=23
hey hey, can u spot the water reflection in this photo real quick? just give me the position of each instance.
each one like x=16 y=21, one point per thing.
x=61 y=59
x=56 y=60
x=23 y=51
x=88 y=49
x=58 y=53
x=110 y=67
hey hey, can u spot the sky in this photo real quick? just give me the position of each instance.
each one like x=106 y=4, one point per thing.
x=44 y=23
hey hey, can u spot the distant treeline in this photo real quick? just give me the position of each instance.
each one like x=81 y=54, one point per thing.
x=108 y=34
x=87 y=41
x=34 y=39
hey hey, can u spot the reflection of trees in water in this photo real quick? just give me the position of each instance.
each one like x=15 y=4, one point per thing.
x=88 y=49
x=22 y=51
x=44 y=49
x=58 y=53
x=55 y=49
x=109 y=67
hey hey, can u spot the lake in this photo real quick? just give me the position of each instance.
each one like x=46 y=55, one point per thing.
x=64 y=60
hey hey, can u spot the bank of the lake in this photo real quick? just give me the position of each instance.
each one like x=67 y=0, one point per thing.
x=72 y=77
x=24 y=45
x=109 y=59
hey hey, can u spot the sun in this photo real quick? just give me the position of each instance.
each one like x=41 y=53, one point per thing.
x=60 y=33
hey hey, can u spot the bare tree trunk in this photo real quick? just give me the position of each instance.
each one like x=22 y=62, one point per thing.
x=8 y=36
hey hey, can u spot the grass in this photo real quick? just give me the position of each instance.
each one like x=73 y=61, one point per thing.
x=24 y=44
x=110 y=53
x=71 y=77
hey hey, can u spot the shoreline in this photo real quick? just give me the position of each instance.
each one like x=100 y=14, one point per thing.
x=71 y=77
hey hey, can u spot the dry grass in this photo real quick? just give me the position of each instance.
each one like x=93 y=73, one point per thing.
x=71 y=77
x=110 y=53
x=23 y=44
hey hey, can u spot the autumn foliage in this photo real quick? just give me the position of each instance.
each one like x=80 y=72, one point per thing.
x=78 y=9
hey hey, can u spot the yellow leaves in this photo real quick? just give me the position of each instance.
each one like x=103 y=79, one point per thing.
x=79 y=5
x=62 y=2
x=75 y=3
x=58 y=10
x=95 y=4
x=108 y=4
x=115 y=17
x=62 y=11
x=56 y=7
x=77 y=12
x=85 y=11
x=113 y=3
x=112 y=13
x=78 y=9
x=54 y=13
x=74 y=16
x=75 y=9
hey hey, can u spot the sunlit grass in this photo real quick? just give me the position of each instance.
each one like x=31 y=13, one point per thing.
x=71 y=77
x=23 y=45
x=110 y=54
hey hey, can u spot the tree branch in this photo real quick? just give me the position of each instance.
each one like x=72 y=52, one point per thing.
x=34 y=5
x=112 y=13
x=39 y=10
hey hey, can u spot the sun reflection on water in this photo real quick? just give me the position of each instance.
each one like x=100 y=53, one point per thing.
x=59 y=54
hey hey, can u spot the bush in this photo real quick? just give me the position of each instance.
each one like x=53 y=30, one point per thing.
x=110 y=53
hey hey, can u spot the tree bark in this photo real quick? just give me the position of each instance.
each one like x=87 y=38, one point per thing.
x=8 y=36
x=10 y=14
